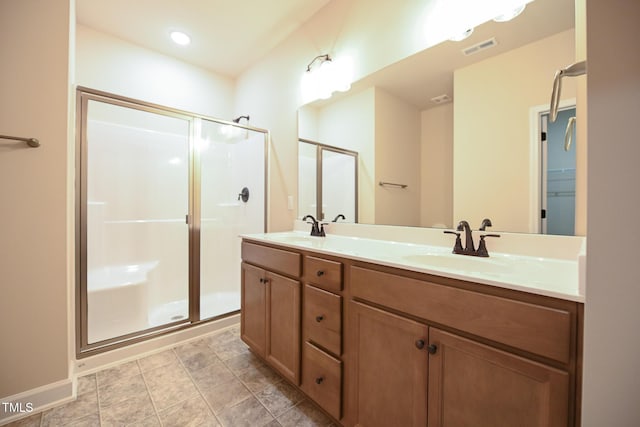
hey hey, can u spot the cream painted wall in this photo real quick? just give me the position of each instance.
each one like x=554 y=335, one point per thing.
x=113 y=65
x=612 y=319
x=374 y=37
x=35 y=275
x=397 y=151
x=436 y=158
x=385 y=131
x=269 y=91
x=349 y=123
x=496 y=114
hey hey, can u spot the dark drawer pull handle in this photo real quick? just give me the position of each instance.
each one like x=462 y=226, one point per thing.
x=320 y=273
x=432 y=349
x=319 y=318
x=420 y=344
x=319 y=380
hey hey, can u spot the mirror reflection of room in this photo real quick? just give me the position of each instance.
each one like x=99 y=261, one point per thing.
x=328 y=182
x=459 y=133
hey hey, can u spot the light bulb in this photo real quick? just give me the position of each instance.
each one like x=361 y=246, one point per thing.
x=510 y=14
x=180 y=38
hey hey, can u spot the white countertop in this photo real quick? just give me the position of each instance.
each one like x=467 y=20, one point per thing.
x=559 y=275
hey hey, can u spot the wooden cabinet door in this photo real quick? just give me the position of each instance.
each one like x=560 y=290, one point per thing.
x=253 y=327
x=471 y=384
x=388 y=368
x=283 y=325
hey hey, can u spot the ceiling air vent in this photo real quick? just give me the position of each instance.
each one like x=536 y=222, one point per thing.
x=480 y=46
x=441 y=99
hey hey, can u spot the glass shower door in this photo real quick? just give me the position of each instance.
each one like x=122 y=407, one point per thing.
x=232 y=202
x=136 y=247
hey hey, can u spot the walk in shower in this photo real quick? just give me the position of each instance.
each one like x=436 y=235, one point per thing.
x=163 y=196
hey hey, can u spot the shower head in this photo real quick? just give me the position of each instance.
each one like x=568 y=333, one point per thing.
x=237 y=119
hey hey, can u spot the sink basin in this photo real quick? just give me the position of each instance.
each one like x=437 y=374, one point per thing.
x=334 y=243
x=504 y=268
x=460 y=263
x=296 y=238
x=546 y=275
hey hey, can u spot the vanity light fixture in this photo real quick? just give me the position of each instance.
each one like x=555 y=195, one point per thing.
x=324 y=76
x=180 y=38
x=455 y=19
x=508 y=16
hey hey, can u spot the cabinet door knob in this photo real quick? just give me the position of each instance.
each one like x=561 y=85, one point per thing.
x=319 y=380
x=420 y=344
x=432 y=348
x=261 y=280
x=320 y=273
x=319 y=318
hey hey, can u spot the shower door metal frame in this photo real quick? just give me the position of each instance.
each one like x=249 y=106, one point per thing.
x=320 y=148
x=83 y=96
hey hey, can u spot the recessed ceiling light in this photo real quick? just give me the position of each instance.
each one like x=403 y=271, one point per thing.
x=180 y=38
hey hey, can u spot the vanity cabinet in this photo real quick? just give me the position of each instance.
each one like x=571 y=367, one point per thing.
x=322 y=366
x=388 y=368
x=270 y=307
x=475 y=384
x=377 y=346
x=437 y=355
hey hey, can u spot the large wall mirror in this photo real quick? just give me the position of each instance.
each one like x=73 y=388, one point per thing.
x=475 y=152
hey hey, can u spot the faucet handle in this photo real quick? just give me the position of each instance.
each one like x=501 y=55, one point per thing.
x=457 y=248
x=482 y=246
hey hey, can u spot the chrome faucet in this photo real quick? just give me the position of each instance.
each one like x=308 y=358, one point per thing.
x=317 y=229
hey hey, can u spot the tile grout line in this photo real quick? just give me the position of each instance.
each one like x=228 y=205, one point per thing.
x=146 y=386
x=233 y=372
x=255 y=395
x=98 y=399
x=198 y=388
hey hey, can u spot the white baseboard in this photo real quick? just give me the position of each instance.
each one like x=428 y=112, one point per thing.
x=111 y=358
x=48 y=396
x=36 y=400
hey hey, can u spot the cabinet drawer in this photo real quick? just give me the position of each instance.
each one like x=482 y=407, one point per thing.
x=278 y=260
x=323 y=273
x=322 y=378
x=530 y=327
x=323 y=318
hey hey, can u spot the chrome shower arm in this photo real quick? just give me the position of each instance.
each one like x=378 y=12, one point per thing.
x=555 y=96
x=576 y=69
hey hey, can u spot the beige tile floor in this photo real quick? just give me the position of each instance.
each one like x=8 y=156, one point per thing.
x=214 y=381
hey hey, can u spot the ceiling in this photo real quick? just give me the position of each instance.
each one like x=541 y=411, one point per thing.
x=227 y=36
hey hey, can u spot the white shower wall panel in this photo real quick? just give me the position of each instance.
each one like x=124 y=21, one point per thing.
x=138 y=199
x=227 y=168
